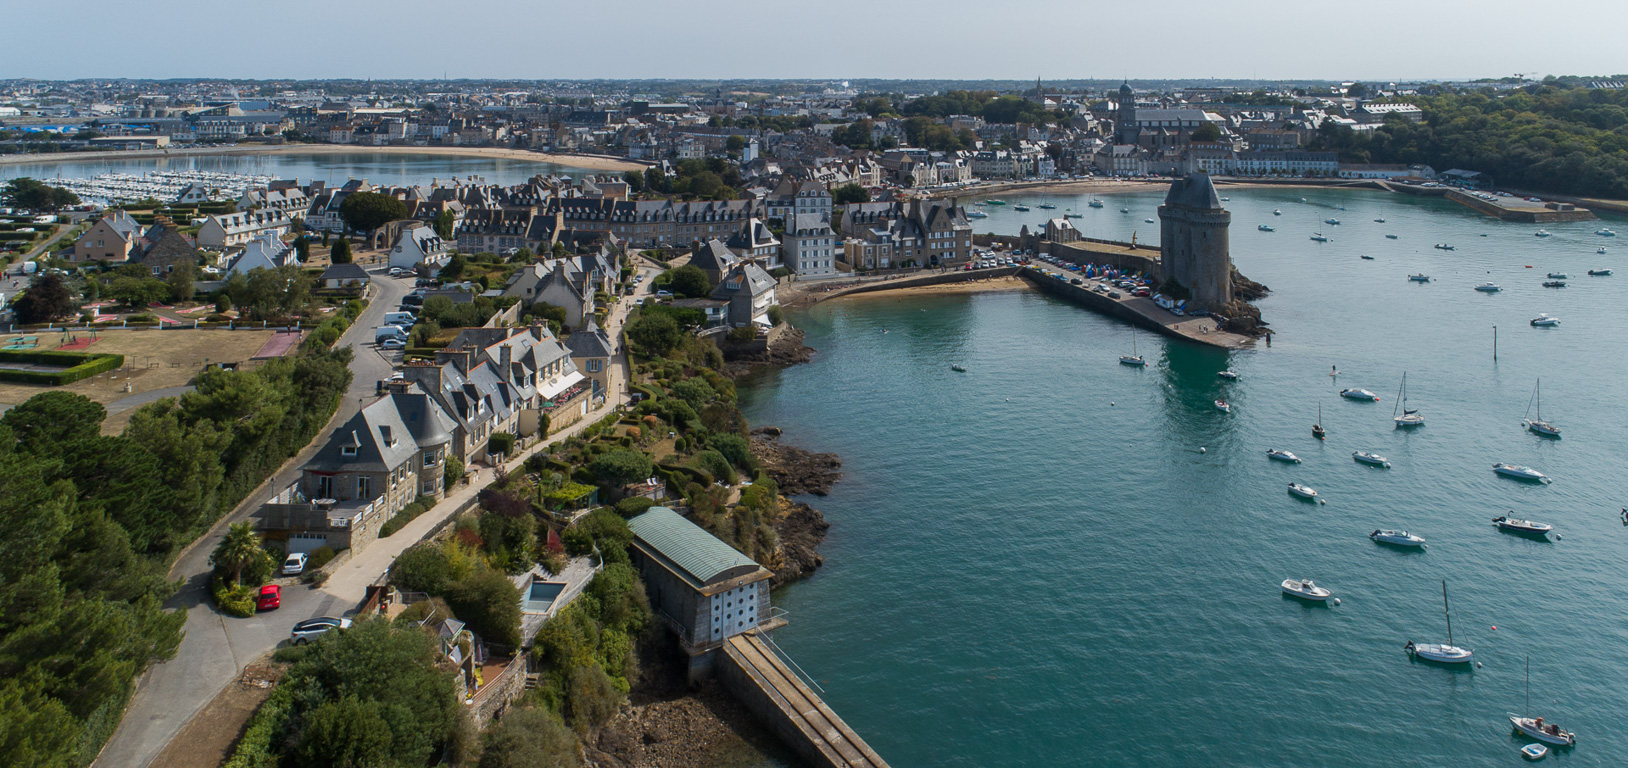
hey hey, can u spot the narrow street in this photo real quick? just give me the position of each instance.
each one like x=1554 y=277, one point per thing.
x=216 y=647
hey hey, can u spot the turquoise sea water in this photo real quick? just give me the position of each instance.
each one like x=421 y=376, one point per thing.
x=1032 y=564
x=376 y=167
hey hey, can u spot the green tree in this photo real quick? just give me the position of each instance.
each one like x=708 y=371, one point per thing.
x=367 y=211
x=1207 y=132
x=696 y=392
x=445 y=221
x=657 y=334
x=46 y=299
x=454 y=268
x=340 y=252
x=489 y=603
x=238 y=550
x=180 y=282
x=690 y=282
x=620 y=466
x=452 y=472
x=529 y=737
x=48 y=420
x=35 y=195
x=425 y=567
x=635 y=181
x=348 y=733
x=735 y=143
x=850 y=193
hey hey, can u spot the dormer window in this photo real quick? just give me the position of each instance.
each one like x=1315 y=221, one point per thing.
x=347 y=450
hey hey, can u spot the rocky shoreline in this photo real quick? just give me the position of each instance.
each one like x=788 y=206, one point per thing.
x=786 y=350
x=800 y=527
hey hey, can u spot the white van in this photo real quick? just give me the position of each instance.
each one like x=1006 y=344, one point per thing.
x=400 y=318
x=389 y=332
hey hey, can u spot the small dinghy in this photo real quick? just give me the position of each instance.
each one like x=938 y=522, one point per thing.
x=1554 y=284
x=1557 y=275
x=1223 y=406
x=1517 y=525
x=1371 y=458
x=1229 y=375
x=957 y=368
x=1306 y=589
x=1399 y=538
x=1335 y=222
x=1390 y=237
x=1359 y=394
x=1379 y=221
x=1542 y=233
x=1420 y=278
x=1277 y=211
x=1303 y=491
x=1280 y=455
x=1534 y=751
x=1519 y=472
x=1366 y=257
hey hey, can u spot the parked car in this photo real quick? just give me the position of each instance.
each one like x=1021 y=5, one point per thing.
x=664 y=294
x=1113 y=294
x=392 y=343
x=271 y=596
x=1075 y=281
x=311 y=629
x=294 y=564
x=1142 y=292
x=398 y=272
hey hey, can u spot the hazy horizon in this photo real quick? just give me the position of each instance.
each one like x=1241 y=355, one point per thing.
x=1387 y=40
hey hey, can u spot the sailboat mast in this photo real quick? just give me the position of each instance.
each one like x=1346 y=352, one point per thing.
x=1446 y=611
x=1527 y=712
x=1401 y=393
x=1538 y=394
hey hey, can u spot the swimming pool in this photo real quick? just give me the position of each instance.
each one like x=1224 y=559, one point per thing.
x=542 y=595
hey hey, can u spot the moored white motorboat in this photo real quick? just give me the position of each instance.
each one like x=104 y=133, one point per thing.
x=1371 y=458
x=1277 y=211
x=1605 y=232
x=1390 y=237
x=1359 y=394
x=1420 y=278
x=1229 y=375
x=1379 y=221
x=1488 y=288
x=1399 y=538
x=1303 y=491
x=1557 y=275
x=1554 y=284
x=1281 y=455
x=1266 y=228
x=1331 y=221
x=1545 y=320
x=1223 y=405
x=1506 y=523
x=1519 y=472
x=1542 y=233
x=1319 y=238
x=1306 y=589
x=1147 y=221
x=1549 y=733
x=975 y=214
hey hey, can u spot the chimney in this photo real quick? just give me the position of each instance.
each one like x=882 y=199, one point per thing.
x=505 y=360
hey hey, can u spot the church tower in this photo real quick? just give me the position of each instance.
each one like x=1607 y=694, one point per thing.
x=1125 y=116
x=1193 y=241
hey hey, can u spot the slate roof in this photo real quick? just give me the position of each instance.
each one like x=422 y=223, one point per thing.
x=697 y=554
x=1195 y=191
x=589 y=342
x=381 y=439
x=746 y=276
x=344 y=272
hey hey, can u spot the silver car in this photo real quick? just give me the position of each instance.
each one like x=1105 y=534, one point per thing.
x=310 y=629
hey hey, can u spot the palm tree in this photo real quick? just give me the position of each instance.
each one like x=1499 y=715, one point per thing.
x=239 y=549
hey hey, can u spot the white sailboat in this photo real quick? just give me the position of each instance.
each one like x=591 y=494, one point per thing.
x=1408 y=418
x=1538 y=425
x=1534 y=727
x=1439 y=652
x=1133 y=358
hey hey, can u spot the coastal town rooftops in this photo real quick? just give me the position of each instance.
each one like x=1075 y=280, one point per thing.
x=688 y=550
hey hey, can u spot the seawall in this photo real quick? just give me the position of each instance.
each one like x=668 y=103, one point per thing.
x=1140 y=312
x=748 y=667
x=1519 y=209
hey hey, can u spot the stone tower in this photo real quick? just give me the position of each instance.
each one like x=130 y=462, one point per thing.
x=1125 y=116
x=1193 y=241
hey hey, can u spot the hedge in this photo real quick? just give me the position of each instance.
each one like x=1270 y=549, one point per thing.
x=254 y=749
x=406 y=515
x=234 y=601
x=76 y=366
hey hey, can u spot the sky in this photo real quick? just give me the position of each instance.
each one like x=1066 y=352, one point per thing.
x=1373 y=40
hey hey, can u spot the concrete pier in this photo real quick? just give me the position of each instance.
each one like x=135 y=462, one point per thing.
x=1520 y=209
x=751 y=670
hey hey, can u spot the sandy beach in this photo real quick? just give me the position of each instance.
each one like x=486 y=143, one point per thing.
x=988 y=285
x=589 y=162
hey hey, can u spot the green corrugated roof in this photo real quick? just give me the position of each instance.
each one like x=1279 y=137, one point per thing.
x=687 y=545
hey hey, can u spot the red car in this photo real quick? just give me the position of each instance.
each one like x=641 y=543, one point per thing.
x=271 y=596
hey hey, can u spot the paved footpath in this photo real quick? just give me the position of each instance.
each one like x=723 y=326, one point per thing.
x=215 y=648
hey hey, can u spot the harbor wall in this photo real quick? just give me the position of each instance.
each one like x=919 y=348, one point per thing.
x=1102 y=252
x=1526 y=213
x=942 y=278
